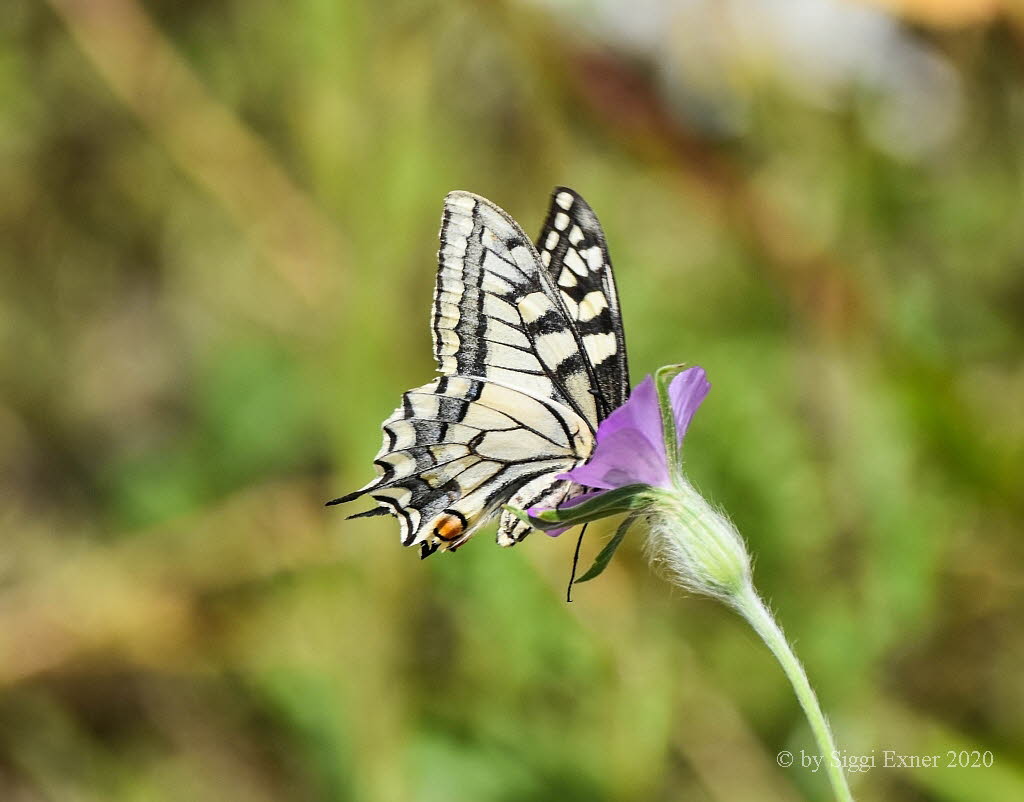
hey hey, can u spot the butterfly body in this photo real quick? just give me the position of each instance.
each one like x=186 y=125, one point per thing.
x=529 y=343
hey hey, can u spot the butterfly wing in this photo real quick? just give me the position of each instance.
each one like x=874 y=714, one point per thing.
x=497 y=313
x=458 y=447
x=574 y=254
x=575 y=257
x=515 y=403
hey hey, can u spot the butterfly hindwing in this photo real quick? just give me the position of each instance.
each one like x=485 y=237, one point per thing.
x=458 y=447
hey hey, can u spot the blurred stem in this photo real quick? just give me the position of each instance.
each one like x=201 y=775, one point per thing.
x=750 y=606
x=209 y=142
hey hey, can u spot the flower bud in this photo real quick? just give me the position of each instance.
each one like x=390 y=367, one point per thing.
x=697 y=545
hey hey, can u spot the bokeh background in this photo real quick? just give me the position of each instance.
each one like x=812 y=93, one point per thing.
x=217 y=234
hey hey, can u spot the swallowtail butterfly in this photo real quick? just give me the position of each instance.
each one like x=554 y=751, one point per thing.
x=529 y=343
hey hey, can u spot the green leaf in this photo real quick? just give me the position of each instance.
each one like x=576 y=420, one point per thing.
x=602 y=559
x=520 y=514
x=612 y=502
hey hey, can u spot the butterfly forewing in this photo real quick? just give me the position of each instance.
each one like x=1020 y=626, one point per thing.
x=574 y=254
x=521 y=394
x=496 y=313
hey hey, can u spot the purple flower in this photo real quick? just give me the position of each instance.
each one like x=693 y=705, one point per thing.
x=631 y=442
x=636 y=469
x=631 y=445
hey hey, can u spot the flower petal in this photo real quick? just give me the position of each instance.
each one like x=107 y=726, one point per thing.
x=623 y=458
x=640 y=413
x=686 y=392
x=630 y=448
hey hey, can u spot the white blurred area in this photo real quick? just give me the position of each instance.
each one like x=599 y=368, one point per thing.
x=711 y=57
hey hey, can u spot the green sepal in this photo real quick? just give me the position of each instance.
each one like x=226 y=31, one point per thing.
x=602 y=559
x=611 y=502
x=662 y=378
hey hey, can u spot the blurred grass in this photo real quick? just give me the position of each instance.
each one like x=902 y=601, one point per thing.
x=216 y=240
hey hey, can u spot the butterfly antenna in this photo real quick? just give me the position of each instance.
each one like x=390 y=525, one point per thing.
x=575 y=562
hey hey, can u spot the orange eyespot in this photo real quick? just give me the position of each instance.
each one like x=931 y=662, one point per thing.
x=449 y=526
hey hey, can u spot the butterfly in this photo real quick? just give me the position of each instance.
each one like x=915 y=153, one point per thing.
x=529 y=344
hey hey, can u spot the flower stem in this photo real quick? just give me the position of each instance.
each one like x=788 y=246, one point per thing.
x=750 y=606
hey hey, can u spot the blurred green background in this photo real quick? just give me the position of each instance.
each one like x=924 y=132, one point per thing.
x=217 y=234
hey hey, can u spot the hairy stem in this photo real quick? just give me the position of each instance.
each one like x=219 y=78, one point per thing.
x=750 y=606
